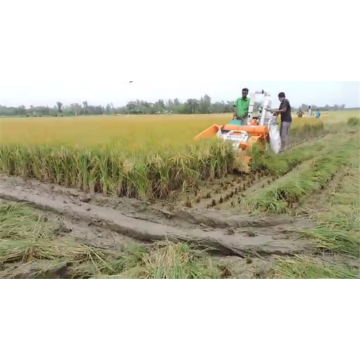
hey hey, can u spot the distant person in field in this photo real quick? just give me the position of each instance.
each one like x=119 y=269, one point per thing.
x=310 y=111
x=300 y=113
x=286 y=119
x=241 y=109
x=318 y=114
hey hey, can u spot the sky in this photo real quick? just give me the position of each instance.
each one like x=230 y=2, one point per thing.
x=298 y=92
x=72 y=51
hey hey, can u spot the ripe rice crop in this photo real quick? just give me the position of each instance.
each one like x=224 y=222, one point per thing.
x=144 y=157
x=295 y=215
x=134 y=131
x=151 y=173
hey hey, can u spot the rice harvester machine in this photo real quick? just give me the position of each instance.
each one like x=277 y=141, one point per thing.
x=262 y=130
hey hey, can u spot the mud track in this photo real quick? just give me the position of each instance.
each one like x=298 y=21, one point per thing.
x=101 y=219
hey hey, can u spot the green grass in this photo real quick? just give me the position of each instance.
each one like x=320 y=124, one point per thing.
x=284 y=193
x=281 y=164
x=301 y=267
x=337 y=231
x=336 y=214
x=338 y=222
x=354 y=121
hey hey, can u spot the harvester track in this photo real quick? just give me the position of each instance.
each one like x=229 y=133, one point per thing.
x=229 y=191
x=223 y=233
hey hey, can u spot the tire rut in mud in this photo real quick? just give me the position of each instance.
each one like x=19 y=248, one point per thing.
x=133 y=208
x=220 y=234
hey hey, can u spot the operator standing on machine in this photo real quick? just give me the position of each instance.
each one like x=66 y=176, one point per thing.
x=241 y=109
x=286 y=119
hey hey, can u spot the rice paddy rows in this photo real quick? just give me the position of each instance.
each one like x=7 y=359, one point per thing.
x=151 y=171
x=232 y=189
x=287 y=192
x=303 y=204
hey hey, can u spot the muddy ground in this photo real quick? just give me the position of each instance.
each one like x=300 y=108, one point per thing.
x=111 y=223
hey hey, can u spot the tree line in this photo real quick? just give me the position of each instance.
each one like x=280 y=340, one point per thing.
x=204 y=105
x=305 y=107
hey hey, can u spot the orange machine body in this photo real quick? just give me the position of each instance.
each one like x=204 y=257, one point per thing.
x=258 y=134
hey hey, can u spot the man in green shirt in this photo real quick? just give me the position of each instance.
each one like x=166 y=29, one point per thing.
x=241 y=109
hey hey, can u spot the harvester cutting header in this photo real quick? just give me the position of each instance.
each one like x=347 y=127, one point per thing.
x=262 y=130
